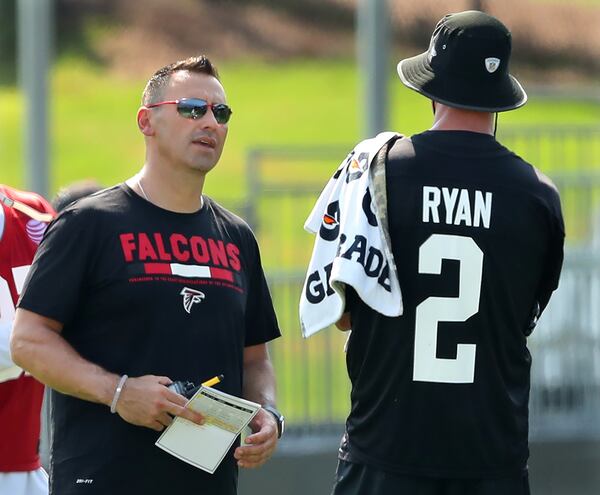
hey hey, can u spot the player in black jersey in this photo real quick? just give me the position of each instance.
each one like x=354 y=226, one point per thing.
x=146 y=283
x=440 y=394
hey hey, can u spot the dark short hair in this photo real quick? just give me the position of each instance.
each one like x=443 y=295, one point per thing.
x=155 y=86
x=73 y=192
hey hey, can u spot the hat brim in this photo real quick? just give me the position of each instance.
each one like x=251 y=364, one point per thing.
x=499 y=96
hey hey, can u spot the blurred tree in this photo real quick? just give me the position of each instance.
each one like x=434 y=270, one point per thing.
x=72 y=20
x=70 y=30
x=7 y=41
x=315 y=11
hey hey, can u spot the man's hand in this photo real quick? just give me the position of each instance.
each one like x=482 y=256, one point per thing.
x=146 y=401
x=344 y=323
x=259 y=446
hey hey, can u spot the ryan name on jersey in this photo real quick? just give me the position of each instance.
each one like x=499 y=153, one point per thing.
x=454 y=206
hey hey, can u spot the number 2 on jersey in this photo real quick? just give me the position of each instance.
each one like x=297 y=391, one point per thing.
x=427 y=366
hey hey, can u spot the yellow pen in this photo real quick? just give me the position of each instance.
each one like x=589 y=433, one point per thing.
x=213 y=381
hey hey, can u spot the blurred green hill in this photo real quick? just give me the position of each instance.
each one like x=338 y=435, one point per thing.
x=558 y=40
x=289 y=69
x=287 y=103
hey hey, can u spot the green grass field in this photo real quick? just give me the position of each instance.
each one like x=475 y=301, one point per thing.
x=299 y=104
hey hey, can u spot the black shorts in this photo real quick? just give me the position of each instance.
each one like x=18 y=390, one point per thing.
x=359 y=479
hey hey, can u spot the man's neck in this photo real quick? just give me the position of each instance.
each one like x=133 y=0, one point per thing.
x=456 y=119
x=177 y=191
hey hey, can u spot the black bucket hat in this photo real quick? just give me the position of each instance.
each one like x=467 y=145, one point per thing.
x=466 y=65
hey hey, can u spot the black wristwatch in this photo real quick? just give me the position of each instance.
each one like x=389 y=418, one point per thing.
x=278 y=418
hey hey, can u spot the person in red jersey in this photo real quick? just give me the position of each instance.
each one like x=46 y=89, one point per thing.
x=23 y=220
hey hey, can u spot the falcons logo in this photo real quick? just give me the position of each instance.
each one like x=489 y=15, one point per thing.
x=191 y=297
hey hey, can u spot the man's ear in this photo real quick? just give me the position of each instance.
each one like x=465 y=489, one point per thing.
x=143 y=121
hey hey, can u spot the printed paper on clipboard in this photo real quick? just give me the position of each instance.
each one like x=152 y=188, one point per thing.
x=205 y=446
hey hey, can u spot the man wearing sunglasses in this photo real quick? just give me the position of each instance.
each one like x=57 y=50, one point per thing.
x=146 y=283
x=440 y=394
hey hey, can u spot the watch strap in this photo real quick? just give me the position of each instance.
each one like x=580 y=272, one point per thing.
x=279 y=419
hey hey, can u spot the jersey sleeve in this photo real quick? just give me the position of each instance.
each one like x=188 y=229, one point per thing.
x=40 y=204
x=261 y=322
x=352 y=299
x=555 y=252
x=33 y=200
x=59 y=270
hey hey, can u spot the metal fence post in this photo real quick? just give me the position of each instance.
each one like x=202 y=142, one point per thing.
x=34 y=48
x=372 y=50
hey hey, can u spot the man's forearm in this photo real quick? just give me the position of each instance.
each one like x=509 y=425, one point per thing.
x=45 y=354
x=259 y=386
x=259 y=382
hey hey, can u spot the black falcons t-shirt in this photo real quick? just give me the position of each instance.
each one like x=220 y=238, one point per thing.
x=477 y=236
x=142 y=290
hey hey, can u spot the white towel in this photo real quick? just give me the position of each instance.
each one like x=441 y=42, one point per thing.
x=352 y=245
